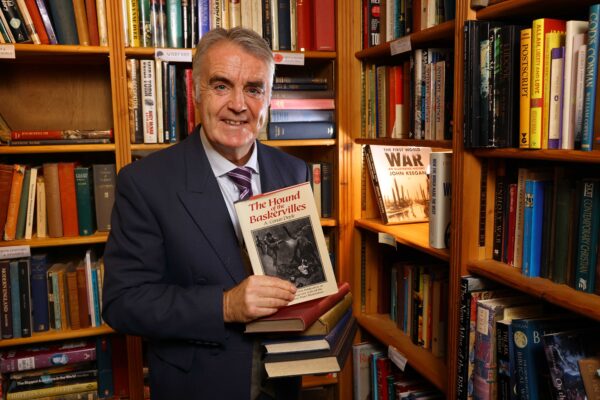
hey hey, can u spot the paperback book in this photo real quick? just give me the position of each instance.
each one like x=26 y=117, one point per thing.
x=284 y=238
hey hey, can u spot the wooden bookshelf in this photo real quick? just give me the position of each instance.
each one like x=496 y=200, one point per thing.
x=572 y=156
x=54 y=336
x=441 y=144
x=71 y=148
x=35 y=242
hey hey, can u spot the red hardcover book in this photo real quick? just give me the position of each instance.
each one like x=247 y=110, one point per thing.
x=92 y=22
x=38 y=24
x=298 y=317
x=302 y=104
x=324 y=25
x=6 y=173
x=189 y=100
x=10 y=228
x=119 y=367
x=45 y=356
x=68 y=198
x=304 y=24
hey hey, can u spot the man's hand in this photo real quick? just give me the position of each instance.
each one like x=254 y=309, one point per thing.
x=256 y=296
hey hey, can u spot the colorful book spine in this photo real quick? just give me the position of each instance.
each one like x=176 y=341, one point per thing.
x=533 y=226
x=6 y=327
x=591 y=73
x=589 y=228
x=553 y=40
x=15 y=302
x=45 y=357
x=39 y=293
x=45 y=15
x=133 y=23
x=301 y=130
x=555 y=98
x=24 y=271
x=16 y=188
x=148 y=99
x=63 y=17
x=22 y=214
x=175 y=23
x=85 y=203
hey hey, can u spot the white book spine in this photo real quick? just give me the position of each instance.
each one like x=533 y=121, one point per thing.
x=556 y=92
x=28 y=21
x=124 y=23
x=102 y=25
x=257 y=16
x=579 y=92
x=275 y=25
x=148 y=101
x=90 y=287
x=440 y=198
x=31 y=203
x=40 y=208
x=160 y=123
x=293 y=26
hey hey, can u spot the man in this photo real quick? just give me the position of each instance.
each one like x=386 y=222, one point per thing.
x=175 y=271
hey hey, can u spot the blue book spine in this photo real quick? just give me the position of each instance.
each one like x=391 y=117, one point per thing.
x=63 y=17
x=104 y=363
x=527 y=218
x=56 y=295
x=203 y=17
x=174 y=24
x=587 y=244
x=537 y=222
x=39 y=293
x=15 y=299
x=302 y=116
x=283 y=24
x=96 y=296
x=591 y=73
x=172 y=103
x=301 y=130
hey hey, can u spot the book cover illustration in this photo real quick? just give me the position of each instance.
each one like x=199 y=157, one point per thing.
x=284 y=238
x=399 y=177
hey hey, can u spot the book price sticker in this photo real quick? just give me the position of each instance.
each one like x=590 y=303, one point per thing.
x=401 y=45
x=386 y=238
x=288 y=58
x=397 y=358
x=7 y=51
x=173 y=55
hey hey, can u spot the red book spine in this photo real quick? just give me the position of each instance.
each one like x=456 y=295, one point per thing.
x=68 y=198
x=38 y=24
x=391 y=106
x=35 y=135
x=324 y=25
x=304 y=24
x=92 y=21
x=52 y=357
x=302 y=104
x=189 y=100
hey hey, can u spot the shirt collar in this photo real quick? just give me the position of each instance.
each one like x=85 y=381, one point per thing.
x=219 y=164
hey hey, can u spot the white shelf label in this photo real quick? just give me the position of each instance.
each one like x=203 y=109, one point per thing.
x=397 y=358
x=401 y=45
x=173 y=55
x=9 y=252
x=288 y=58
x=386 y=238
x=7 y=51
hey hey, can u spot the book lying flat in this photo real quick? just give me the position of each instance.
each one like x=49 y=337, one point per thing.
x=330 y=318
x=298 y=317
x=314 y=362
x=294 y=344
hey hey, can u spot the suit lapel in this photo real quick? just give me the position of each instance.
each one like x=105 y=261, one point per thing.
x=270 y=173
x=204 y=202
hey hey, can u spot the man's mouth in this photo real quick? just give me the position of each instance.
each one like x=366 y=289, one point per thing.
x=234 y=123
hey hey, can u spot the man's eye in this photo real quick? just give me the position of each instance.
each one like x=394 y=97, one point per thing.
x=254 y=91
x=220 y=87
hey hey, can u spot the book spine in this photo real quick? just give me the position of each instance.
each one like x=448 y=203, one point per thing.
x=45 y=16
x=591 y=72
x=537 y=86
x=25 y=297
x=22 y=213
x=85 y=204
x=41 y=219
x=524 y=88
x=10 y=229
x=68 y=198
x=134 y=106
x=73 y=299
x=326 y=190
x=31 y=203
x=301 y=116
x=440 y=199
x=462 y=355
x=16 y=24
x=6 y=327
x=145 y=23
x=81 y=22
x=92 y=22
x=15 y=299
x=53 y=391
x=36 y=20
x=589 y=227
x=555 y=98
x=148 y=101
x=133 y=23
x=316 y=180
x=102 y=22
x=66 y=356
x=301 y=130
x=63 y=17
x=39 y=293
x=104 y=194
x=175 y=23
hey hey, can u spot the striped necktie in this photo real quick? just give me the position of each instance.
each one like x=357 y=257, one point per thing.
x=242 y=177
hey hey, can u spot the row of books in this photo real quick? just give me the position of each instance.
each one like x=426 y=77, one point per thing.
x=521 y=348
x=286 y=25
x=375 y=376
x=547 y=224
x=386 y=20
x=39 y=295
x=532 y=87
x=60 y=199
x=160 y=101
x=81 y=22
x=83 y=369
x=59 y=137
x=413 y=99
x=322 y=187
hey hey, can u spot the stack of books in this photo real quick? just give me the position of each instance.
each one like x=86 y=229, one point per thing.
x=313 y=337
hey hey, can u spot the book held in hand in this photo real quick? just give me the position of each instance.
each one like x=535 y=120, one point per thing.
x=399 y=177
x=284 y=238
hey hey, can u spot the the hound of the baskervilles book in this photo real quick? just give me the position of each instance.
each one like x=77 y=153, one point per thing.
x=284 y=238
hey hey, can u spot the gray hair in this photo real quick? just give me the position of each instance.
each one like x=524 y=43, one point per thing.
x=247 y=39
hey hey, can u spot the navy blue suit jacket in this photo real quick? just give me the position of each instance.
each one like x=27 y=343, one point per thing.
x=171 y=254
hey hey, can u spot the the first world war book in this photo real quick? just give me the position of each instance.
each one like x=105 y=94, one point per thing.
x=284 y=238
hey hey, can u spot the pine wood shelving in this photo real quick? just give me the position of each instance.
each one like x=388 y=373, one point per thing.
x=300 y=142
x=71 y=148
x=310 y=381
x=562 y=295
x=45 y=50
x=442 y=144
x=53 y=336
x=420 y=359
x=35 y=242
x=575 y=156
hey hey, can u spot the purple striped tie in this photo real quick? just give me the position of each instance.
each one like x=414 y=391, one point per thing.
x=242 y=177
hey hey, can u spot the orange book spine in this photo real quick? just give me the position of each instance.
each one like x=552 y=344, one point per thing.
x=73 y=299
x=10 y=229
x=81 y=22
x=38 y=24
x=92 y=22
x=68 y=198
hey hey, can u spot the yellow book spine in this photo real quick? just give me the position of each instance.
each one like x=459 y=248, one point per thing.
x=553 y=40
x=524 y=93
x=133 y=23
x=53 y=391
x=537 y=84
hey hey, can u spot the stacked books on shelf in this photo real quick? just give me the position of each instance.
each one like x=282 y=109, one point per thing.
x=303 y=107
x=285 y=25
x=82 y=369
x=53 y=137
x=39 y=295
x=550 y=67
x=57 y=199
x=520 y=346
x=54 y=22
x=160 y=101
x=376 y=376
x=547 y=223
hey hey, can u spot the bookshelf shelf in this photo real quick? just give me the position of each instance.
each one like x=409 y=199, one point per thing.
x=577 y=156
x=300 y=142
x=443 y=144
x=48 y=50
x=99 y=237
x=328 y=222
x=532 y=8
x=586 y=304
x=413 y=235
x=72 y=148
x=439 y=34
x=420 y=359
x=149 y=147
x=310 y=381
x=53 y=336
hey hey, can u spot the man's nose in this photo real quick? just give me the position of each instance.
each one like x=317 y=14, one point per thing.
x=237 y=101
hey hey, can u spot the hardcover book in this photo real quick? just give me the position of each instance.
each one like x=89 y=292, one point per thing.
x=399 y=177
x=298 y=317
x=284 y=238
x=48 y=355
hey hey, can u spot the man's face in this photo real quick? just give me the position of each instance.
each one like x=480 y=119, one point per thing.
x=235 y=90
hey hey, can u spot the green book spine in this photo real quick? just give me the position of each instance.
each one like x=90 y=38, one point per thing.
x=85 y=204
x=22 y=216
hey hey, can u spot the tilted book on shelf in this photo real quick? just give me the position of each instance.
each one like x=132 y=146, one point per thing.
x=399 y=177
x=284 y=238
